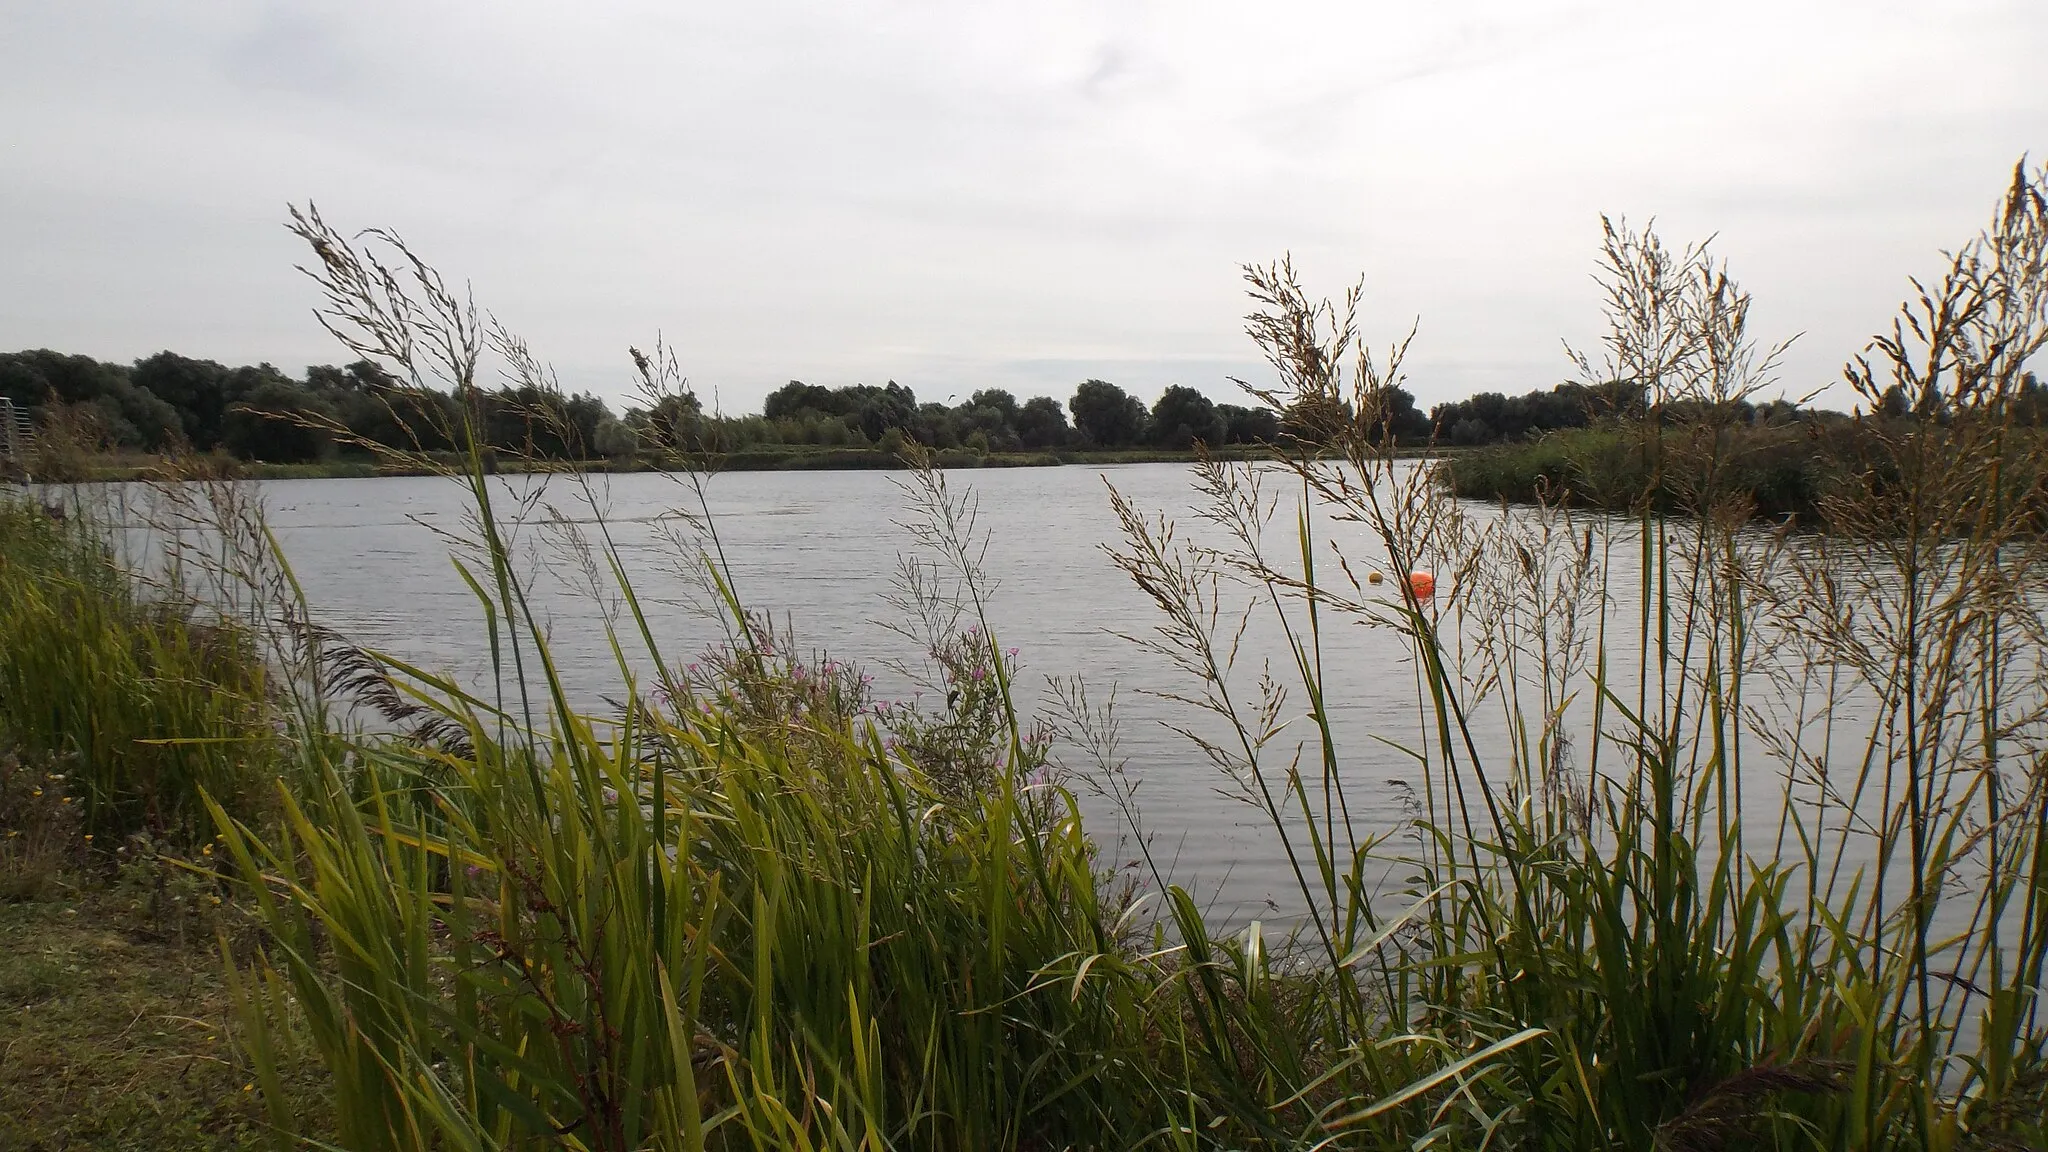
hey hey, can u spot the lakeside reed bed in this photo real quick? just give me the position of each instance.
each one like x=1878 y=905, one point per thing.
x=1748 y=849
x=134 y=695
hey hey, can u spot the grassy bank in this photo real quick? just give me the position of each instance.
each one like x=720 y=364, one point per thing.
x=125 y=705
x=116 y=1027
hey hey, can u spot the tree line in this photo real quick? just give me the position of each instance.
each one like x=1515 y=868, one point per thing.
x=1495 y=418
x=261 y=413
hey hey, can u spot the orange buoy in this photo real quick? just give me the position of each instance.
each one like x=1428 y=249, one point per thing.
x=1422 y=585
x=1373 y=578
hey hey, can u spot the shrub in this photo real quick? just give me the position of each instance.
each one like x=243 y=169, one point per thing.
x=143 y=701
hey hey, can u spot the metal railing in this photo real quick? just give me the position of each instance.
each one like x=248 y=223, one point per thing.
x=17 y=435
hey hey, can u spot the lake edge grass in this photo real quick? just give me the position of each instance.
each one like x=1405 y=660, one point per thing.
x=745 y=911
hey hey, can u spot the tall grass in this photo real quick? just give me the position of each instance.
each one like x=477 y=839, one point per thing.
x=747 y=911
x=1714 y=837
x=1755 y=834
x=141 y=698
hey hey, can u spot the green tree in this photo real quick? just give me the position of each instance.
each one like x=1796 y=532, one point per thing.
x=1243 y=425
x=378 y=410
x=674 y=424
x=276 y=422
x=105 y=394
x=200 y=390
x=879 y=409
x=1316 y=419
x=1490 y=417
x=541 y=422
x=796 y=397
x=1391 y=414
x=1895 y=404
x=2029 y=403
x=936 y=426
x=998 y=399
x=1042 y=423
x=1183 y=416
x=990 y=424
x=1106 y=415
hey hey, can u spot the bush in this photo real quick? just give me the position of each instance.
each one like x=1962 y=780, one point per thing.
x=143 y=702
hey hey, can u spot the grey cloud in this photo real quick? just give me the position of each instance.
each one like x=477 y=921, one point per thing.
x=290 y=48
x=1017 y=195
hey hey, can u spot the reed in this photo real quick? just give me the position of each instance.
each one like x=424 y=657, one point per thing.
x=1748 y=826
x=138 y=696
x=1711 y=837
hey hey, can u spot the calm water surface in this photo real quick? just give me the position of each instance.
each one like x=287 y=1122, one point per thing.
x=820 y=550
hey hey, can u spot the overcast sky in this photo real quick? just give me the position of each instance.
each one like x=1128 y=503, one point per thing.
x=960 y=195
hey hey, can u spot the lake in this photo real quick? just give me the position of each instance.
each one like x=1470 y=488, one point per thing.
x=820 y=551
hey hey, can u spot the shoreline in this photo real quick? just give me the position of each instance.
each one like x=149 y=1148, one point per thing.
x=118 y=470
